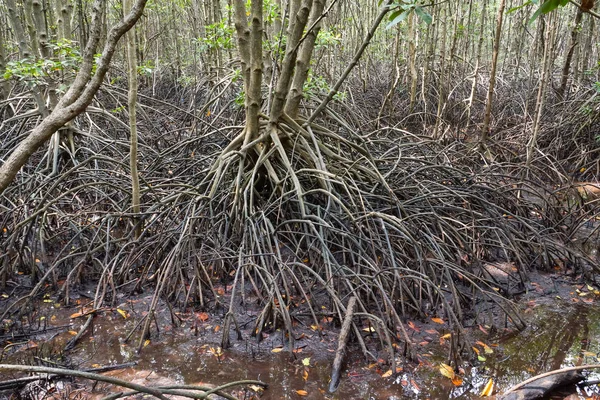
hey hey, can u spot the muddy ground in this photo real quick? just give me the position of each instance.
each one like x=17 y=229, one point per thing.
x=563 y=329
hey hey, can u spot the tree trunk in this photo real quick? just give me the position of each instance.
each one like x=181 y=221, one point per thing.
x=19 y=32
x=571 y=49
x=131 y=105
x=490 y=96
x=303 y=61
x=5 y=85
x=477 y=62
x=544 y=78
x=296 y=27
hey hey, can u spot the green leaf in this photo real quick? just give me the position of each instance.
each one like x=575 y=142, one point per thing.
x=425 y=16
x=517 y=8
x=546 y=7
x=398 y=17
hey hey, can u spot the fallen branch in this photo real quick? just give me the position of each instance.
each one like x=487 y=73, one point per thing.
x=158 y=392
x=71 y=343
x=342 y=343
x=19 y=382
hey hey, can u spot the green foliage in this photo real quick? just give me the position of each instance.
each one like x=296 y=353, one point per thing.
x=146 y=68
x=401 y=9
x=271 y=10
x=240 y=99
x=218 y=36
x=317 y=85
x=35 y=72
x=546 y=7
x=327 y=38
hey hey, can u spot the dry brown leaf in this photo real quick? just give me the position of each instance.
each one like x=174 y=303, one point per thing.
x=302 y=392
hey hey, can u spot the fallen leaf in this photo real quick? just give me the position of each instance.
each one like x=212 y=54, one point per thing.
x=488 y=389
x=413 y=326
x=446 y=336
x=306 y=362
x=447 y=371
x=302 y=392
x=457 y=380
x=256 y=388
x=412 y=381
x=486 y=348
x=369 y=329
x=387 y=374
x=277 y=350
x=122 y=312
x=202 y=316
x=438 y=320
x=305 y=375
x=147 y=342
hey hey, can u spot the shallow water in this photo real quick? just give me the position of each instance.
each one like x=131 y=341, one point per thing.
x=558 y=335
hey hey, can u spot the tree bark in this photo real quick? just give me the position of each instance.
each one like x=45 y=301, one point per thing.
x=490 y=96
x=4 y=86
x=131 y=105
x=571 y=49
x=305 y=53
x=19 y=32
x=297 y=24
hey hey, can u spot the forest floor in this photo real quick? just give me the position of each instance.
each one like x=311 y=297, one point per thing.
x=563 y=329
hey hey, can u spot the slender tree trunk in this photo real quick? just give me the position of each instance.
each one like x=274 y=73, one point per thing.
x=477 y=62
x=132 y=104
x=31 y=28
x=5 y=85
x=297 y=24
x=254 y=94
x=243 y=34
x=587 y=50
x=303 y=61
x=412 y=57
x=490 y=96
x=543 y=83
x=441 y=79
x=570 y=50
x=19 y=32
